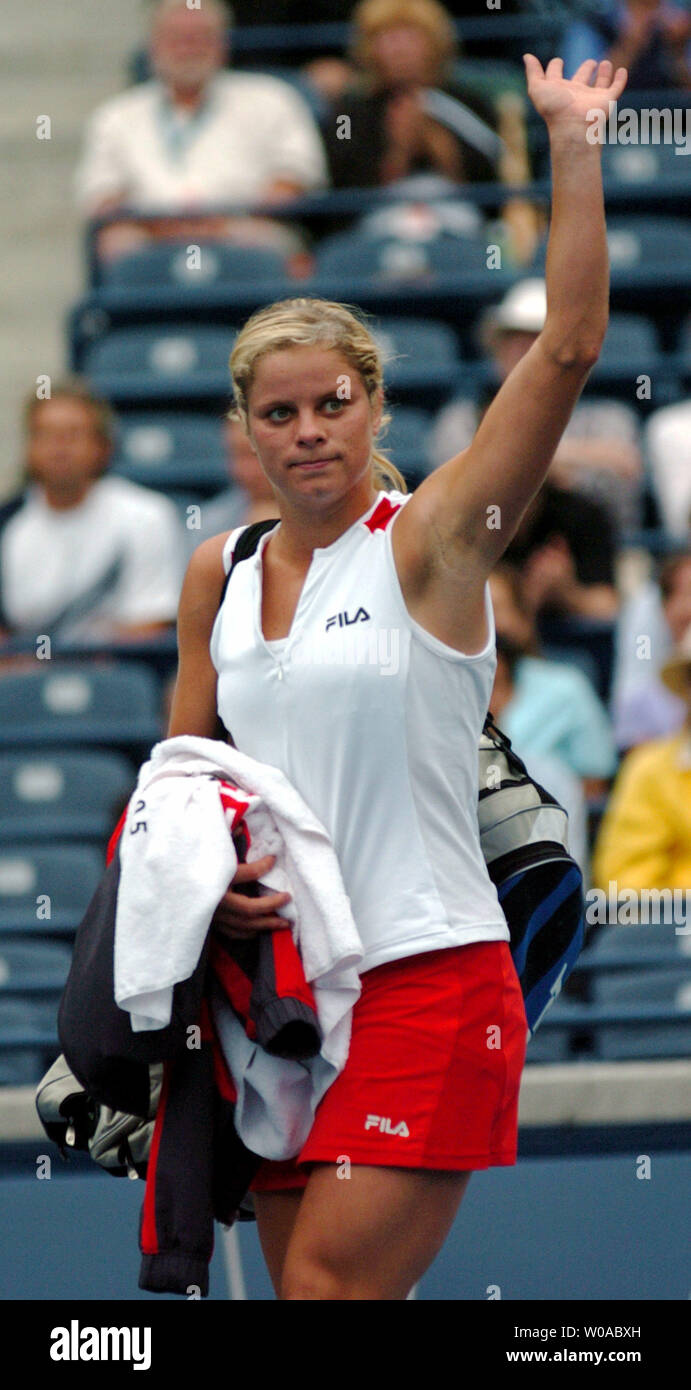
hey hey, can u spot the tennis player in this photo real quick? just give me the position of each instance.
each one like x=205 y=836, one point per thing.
x=355 y=651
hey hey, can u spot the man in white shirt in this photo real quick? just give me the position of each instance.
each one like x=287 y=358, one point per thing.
x=196 y=136
x=84 y=556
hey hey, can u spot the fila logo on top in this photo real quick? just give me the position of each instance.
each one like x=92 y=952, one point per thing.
x=362 y=616
x=384 y=1125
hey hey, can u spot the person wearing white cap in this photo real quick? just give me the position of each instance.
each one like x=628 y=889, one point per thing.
x=645 y=837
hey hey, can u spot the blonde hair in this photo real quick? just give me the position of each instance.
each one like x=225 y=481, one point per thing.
x=308 y=323
x=372 y=16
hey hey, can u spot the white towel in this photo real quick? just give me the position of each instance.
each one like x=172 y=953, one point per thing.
x=177 y=859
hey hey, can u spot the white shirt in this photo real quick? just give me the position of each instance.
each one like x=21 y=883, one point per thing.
x=376 y=723
x=668 y=444
x=123 y=537
x=250 y=130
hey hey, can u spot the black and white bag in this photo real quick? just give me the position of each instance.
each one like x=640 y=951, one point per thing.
x=524 y=839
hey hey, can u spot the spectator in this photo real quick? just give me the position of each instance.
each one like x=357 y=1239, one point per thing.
x=84 y=556
x=195 y=138
x=409 y=116
x=645 y=837
x=651 y=623
x=250 y=496
x=668 y=446
x=598 y=456
x=546 y=707
x=404 y=50
x=648 y=37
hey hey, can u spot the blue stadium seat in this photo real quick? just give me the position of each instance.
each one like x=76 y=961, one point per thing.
x=656 y=249
x=28 y=1039
x=80 y=703
x=163 y=450
x=157 y=363
x=194 y=266
x=407 y=438
x=31 y=967
x=669 y=990
x=46 y=888
x=56 y=795
x=356 y=254
x=424 y=356
x=644 y=164
x=630 y=346
x=615 y=940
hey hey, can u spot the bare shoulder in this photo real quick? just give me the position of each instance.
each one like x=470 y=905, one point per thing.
x=203 y=585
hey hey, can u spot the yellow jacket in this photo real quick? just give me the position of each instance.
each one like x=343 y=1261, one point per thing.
x=645 y=836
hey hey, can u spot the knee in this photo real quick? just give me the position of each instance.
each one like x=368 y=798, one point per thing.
x=311 y=1280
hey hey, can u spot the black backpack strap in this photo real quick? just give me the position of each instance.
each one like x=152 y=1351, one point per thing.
x=246 y=545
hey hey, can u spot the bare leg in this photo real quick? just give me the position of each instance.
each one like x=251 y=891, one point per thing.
x=276 y=1214
x=371 y=1236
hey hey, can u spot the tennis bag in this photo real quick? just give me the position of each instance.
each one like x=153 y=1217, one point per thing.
x=524 y=839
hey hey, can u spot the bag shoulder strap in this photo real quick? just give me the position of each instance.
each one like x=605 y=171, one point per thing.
x=246 y=545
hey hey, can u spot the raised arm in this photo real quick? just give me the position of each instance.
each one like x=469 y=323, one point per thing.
x=463 y=516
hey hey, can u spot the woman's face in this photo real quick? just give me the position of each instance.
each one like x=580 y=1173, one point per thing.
x=312 y=425
x=403 y=54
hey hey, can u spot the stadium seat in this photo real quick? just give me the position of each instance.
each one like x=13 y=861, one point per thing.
x=669 y=990
x=189 y=265
x=57 y=795
x=659 y=248
x=610 y=941
x=358 y=255
x=421 y=358
x=46 y=888
x=115 y=705
x=171 y=451
x=630 y=346
x=644 y=164
x=33 y=967
x=156 y=363
x=28 y=1039
x=406 y=440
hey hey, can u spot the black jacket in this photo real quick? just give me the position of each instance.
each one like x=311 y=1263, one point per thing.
x=198 y=1168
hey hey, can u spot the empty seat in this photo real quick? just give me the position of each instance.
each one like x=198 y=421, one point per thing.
x=644 y=164
x=29 y=967
x=421 y=356
x=46 y=888
x=28 y=1039
x=665 y=990
x=659 y=247
x=80 y=703
x=616 y=940
x=160 y=363
x=191 y=265
x=55 y=795
x=630 y=345
x=171 y=451
x=357 y=254
x=407 y=439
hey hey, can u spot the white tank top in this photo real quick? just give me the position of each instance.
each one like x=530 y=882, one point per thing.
x=376 y=723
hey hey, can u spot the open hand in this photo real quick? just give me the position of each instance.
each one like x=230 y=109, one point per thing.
x=571 y=100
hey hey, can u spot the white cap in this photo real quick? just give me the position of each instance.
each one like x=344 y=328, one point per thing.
x=523 y=309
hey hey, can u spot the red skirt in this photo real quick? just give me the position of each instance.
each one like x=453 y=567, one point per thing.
x=433 y=1072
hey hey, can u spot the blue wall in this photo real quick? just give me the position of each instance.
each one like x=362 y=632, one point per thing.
x=577 y=1227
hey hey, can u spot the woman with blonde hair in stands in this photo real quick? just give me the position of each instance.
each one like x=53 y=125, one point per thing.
x=386 y=756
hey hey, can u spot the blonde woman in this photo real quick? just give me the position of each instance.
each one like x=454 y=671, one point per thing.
x=384 y=749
